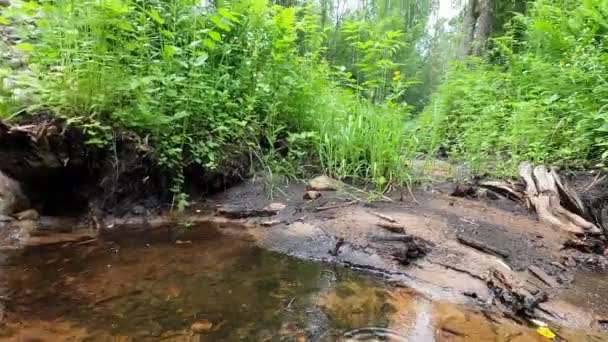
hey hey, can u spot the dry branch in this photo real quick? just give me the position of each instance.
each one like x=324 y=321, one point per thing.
x=336 y=206
x=384 y=217
x=392 y=227
x=482 y=247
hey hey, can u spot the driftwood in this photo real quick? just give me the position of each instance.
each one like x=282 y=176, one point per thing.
x=544 y=191
x=514 y=295
x=384 y=217
x=392 y=227
x=508 y=189
x=237 y=212
x=587 y=245
x=544 y=195
x=543 y=276
x=482 y=247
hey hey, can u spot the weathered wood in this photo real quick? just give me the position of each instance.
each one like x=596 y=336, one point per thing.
x=235 y=212
x=569 y=198
x=543 y=194
x=506 y=189
x=588 y=245
x=482 y=247
x=382 y=216
x=270 y=223
x=392 y=227
x=513 y=294
x=543 y=276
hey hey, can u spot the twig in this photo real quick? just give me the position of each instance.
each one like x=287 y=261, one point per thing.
x=336 y=206
x=595 y=181
x=457 y=269
x=118 y=296
x=409 y=189
x=384 y=217
x=453 y=332
x=395 y=228
x=85 y=242
x=288 y=307
x=480 y=246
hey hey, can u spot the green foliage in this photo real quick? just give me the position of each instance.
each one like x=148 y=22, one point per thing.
x=539 y=95
x=198 y=81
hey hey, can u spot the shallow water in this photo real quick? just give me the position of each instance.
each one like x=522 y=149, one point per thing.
x=211 y=287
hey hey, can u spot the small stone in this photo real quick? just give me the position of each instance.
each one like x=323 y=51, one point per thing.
x=275 y=207
x=323 y=183
x=311 y=195
x=138 y=210
x=6 y=218
x=270 y=223
x=16 y=63
x=201 y=327
x=30 y=214
x=12 y=198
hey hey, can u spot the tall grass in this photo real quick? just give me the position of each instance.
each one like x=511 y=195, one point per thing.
x=539 y=95
x=199 y=83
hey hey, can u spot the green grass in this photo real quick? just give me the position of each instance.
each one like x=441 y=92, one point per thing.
x=540 y=95
x=195 y=82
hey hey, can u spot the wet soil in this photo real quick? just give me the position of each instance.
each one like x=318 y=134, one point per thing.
x=451 y=270
x=212 y=283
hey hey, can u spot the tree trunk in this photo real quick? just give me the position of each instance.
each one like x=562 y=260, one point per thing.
x=477 y=26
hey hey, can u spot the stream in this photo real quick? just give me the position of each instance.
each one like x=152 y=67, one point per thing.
x=208 y=286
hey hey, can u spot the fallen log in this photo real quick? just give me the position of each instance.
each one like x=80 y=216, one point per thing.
x=568 y=197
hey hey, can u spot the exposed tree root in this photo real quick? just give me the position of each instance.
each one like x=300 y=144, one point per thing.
x=553 y=200
x=543 y=194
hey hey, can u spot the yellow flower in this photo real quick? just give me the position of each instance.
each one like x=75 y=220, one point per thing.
x=397 y=75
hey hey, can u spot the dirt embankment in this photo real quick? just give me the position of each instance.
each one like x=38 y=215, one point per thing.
x=63 y=175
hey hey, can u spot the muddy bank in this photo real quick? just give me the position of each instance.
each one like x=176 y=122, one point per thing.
x=467 y=243
x=63 y=174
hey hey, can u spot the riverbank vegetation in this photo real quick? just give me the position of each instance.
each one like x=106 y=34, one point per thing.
x=538 y=93
x=352 y=89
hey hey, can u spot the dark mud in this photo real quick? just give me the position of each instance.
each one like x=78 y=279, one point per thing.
x=63 y=174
